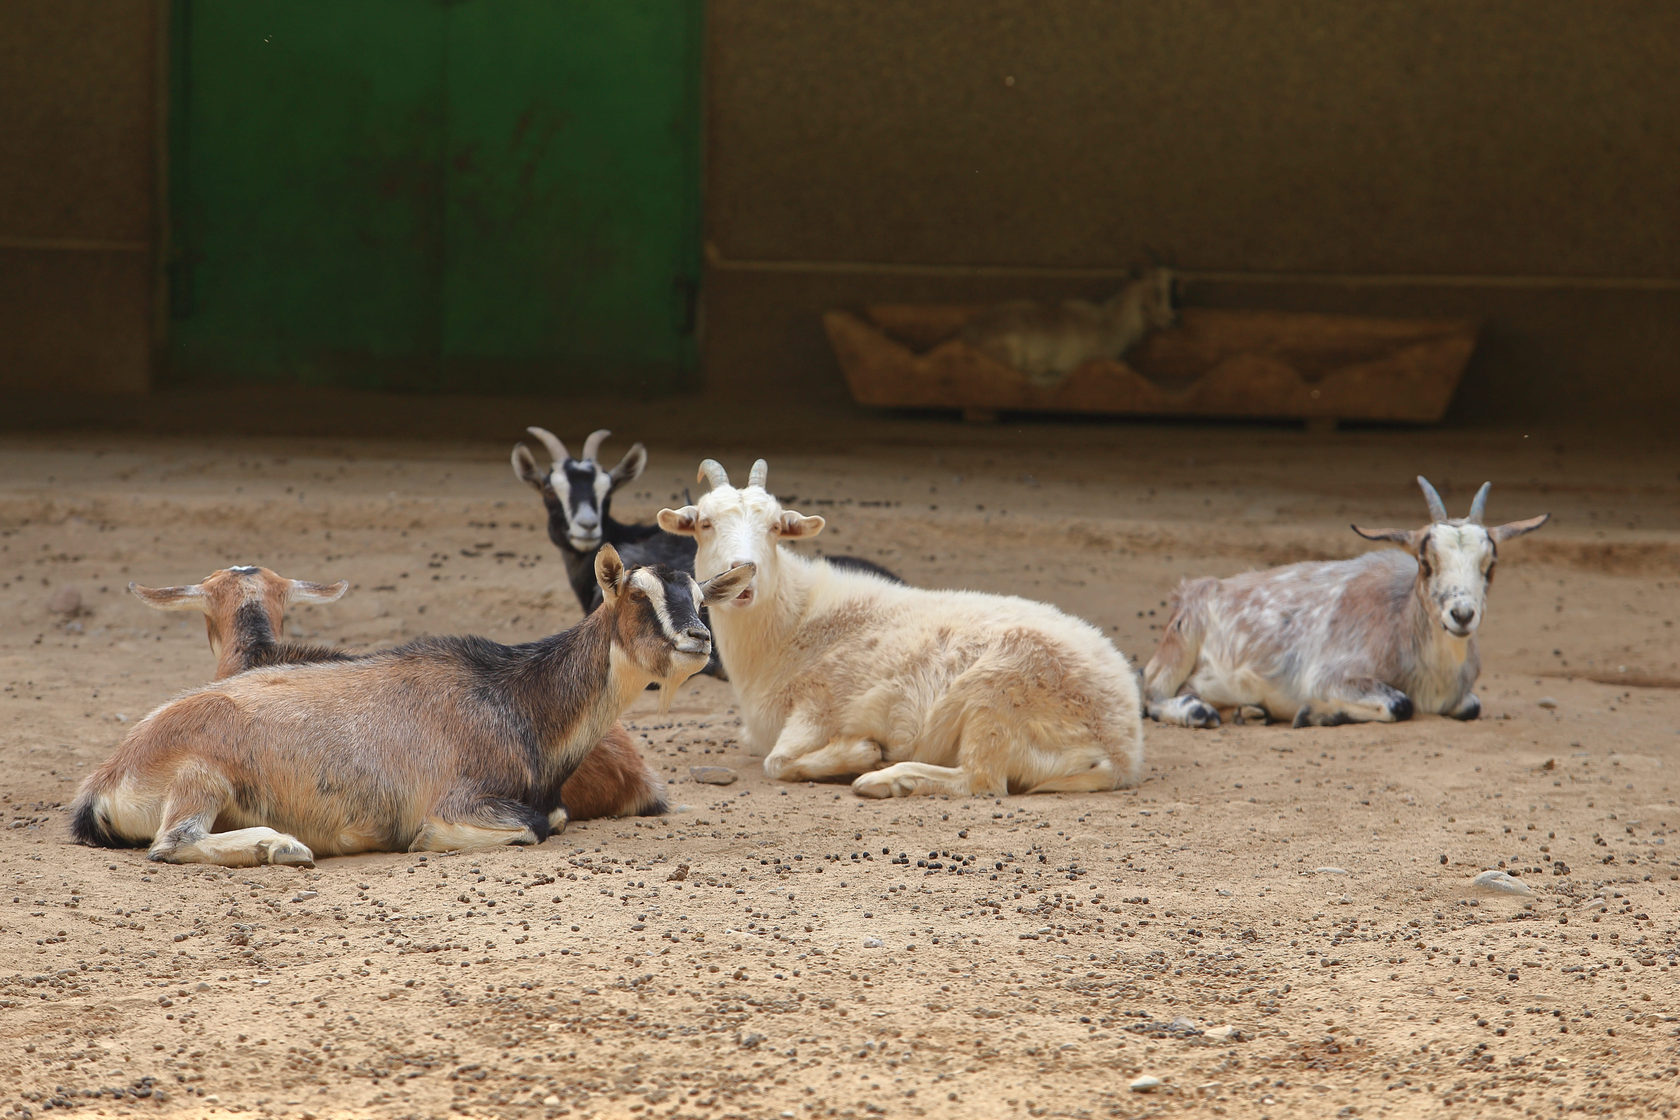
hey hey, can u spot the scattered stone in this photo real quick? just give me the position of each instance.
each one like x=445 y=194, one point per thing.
x=304 y=896
x=1226 y=1033
x=551 y=1100
x=1178 y=1028
x=712 y=775
x=1549 y=764
x=65 y=601
x=679 y=874
x=1546 y=702
x=1330 y=871
x=872 y=943
x=1500 y=881
x=1145 y=1084
x=751 y=1041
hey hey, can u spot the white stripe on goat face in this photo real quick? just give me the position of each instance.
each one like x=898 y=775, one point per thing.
x=582 y=487
x=1459 y=559
x=655 y=592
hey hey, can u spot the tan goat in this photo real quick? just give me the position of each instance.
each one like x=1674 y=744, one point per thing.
x=245 y=615
x=440 y=744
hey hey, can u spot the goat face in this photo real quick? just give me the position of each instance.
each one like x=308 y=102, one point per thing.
x=656 y=613
x=735 y=527
x=1455 y=566
x=222 y=597
x=1455 y=558
x=581 y=488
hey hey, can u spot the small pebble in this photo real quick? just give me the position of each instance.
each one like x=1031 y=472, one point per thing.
x=1546 y=702
x=712 y=775
x=66 y=600
x=1330 y=871
x=872 y=943
x=1500 y=881
x=304 y=896
x=751 y=1041
x=1145 y=1084
x=1226 y=1033
x=551 y=1100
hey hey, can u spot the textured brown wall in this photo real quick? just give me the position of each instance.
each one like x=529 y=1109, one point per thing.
x=77 y=187
x=1516 y=160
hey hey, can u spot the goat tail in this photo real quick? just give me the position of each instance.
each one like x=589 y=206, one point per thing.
x=613 y=780
x=90 y=825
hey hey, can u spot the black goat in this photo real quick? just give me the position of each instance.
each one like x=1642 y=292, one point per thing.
x=578 y=494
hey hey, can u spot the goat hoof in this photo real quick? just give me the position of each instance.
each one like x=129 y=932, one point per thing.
x=1252 y=713
x=1202 y=715
x=1470 y=709
x=285 y=852
x=1400 y=708
x=872 y=785
x=1306 y=717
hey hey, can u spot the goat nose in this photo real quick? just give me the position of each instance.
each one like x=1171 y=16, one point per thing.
x=698 y=633
x=1463 y=615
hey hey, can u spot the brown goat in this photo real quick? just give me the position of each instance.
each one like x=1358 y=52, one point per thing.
x=245 y=617
x=441 y=744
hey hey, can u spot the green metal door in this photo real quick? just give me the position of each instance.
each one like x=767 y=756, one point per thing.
x=497 y=195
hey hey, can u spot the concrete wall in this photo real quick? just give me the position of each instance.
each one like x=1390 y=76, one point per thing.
x=1515 y=160
x=78 y=83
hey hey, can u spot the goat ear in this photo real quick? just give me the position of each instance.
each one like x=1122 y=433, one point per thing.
x=726 y=585
x=1518 y=528
x=795 y=526
x=171 y=598
x=684 y=522
x=525 y=467
x=305 y=591
x=630 y=467
x=609 y=572
x=1402 y=536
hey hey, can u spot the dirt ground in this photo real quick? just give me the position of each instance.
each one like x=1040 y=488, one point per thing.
x=790 y=950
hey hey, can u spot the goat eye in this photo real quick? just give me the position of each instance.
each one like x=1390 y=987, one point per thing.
x=705 y=524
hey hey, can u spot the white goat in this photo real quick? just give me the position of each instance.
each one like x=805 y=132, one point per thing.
x=1346 y=641
x=841 y=672
x=440 y=744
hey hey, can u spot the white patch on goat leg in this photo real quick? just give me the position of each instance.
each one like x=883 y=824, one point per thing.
x=452 y=836
x=908 y=779
x=243 y=847
x=1098 y=776
x=1364 y=702
x=837 y=759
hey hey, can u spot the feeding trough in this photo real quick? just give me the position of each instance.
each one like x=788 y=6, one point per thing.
x=1216 y=363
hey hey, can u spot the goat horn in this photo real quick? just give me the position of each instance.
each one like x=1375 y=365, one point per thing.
x=593 y=443
x=760 y=472
x=556 y=450
x=712 y=473
x=1478 y=507
x=1437 y=511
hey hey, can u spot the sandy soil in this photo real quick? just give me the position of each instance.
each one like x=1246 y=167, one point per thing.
x=792 y=950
